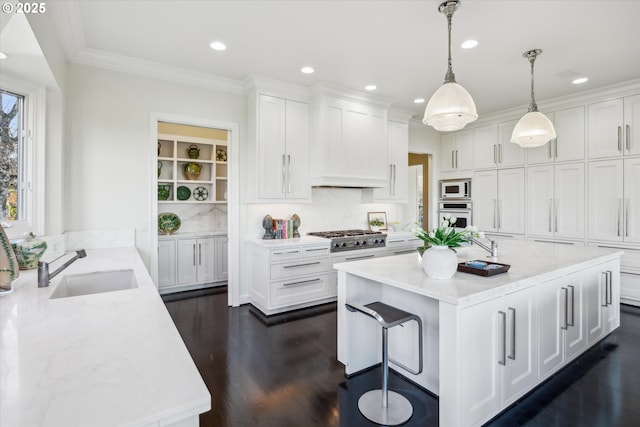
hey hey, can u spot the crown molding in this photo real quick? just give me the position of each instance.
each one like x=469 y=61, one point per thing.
x=128 y=64
x=350 y=95
x=69 y=23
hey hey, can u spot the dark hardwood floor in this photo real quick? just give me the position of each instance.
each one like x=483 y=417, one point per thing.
x=281 y=371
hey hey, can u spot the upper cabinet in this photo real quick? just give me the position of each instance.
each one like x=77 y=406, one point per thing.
x=455 y=151
x=569 y=144
x=614 y=127
x=350 y=147
x=279 y=126
x=492 y=147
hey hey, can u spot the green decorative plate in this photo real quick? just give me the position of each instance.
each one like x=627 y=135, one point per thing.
x=200 y=193
x=168 y=223
x=183 y=193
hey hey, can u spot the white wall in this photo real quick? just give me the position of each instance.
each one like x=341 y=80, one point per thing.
x=107 y=169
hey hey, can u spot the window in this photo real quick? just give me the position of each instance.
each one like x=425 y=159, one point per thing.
x=22 y=164
x=11 y=160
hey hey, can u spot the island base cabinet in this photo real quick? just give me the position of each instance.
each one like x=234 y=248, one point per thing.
x=602 y=290
x=498 y=339
x=166 y=263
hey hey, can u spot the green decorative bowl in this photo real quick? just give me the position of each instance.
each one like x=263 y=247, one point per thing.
x=168 y=223
x=183 y=193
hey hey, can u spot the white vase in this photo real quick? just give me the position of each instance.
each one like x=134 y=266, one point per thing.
x=439 y=262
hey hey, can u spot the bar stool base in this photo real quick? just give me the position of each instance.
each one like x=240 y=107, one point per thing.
x=398 y=409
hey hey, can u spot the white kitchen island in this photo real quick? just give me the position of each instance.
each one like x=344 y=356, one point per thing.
x=487 y=340
x=106 y=359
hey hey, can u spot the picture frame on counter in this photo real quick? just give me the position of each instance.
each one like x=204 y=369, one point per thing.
x=377 y=221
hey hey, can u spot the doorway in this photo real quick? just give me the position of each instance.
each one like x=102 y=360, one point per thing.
x=419 y=188
x=216 y=205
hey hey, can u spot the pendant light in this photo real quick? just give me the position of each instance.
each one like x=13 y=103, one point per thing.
x=534 y=128
x=451 y=107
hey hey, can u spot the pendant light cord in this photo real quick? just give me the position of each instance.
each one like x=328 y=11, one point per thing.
x=532 y=58
x=448 y=10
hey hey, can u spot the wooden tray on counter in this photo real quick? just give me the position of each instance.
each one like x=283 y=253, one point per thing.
x=488 y=270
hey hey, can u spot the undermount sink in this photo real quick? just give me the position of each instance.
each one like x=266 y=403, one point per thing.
x=72 y=285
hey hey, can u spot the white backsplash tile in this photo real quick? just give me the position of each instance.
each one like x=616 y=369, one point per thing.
x=331 y=209
x=198 y=217
x=100 y=239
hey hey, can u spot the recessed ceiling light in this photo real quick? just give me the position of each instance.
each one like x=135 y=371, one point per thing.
x=579 y=80
x=3 y=55
x=468 y=44
x=371 y=87
x=218 y=46
x=307 y=70
x=418 y=101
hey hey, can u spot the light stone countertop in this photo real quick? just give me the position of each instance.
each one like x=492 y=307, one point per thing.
x=108 y=359
x=531 y=263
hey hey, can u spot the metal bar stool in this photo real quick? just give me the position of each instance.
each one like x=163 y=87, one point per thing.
x=383 y=406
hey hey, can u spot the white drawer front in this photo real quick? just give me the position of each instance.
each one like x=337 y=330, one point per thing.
x=297 y=291
x=285 y=254
x=300 y=267
x=315 y=251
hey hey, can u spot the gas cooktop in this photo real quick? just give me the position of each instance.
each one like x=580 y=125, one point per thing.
x=348 y=240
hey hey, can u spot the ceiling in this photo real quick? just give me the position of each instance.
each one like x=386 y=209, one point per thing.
x=400 y=46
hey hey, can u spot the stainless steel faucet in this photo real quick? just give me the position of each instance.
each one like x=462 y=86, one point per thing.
x=43 y=269
x=493 y=250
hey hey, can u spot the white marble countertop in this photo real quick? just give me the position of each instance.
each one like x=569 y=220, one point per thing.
x=531 y=263
x=108 y=359
x=283 y=243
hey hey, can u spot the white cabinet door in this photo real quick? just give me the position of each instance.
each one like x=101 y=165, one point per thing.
x=166 y=263
x=509 y=154
x=605 y=128
x=550 y=323
x=569 y=125
x=365 y=143
x=456 y=151
x=297 y=150
x=271 y=147
x=521 y=368
x=485 y=200
x=485 y=147
x=596 y=299
x=482 y=345
x=632 y=125
x=575 y=337
x=605 y=200
x=283 y=149
x=511 y=201
x=568 y=202
x=540 y=200
x=222 y=258
x=206 y=259
x=397 y=188
x=632 y=200
x=187 y=261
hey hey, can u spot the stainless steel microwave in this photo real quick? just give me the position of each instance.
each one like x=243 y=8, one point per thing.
x=455 y=189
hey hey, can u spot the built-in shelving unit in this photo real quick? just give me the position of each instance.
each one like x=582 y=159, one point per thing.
x=173 y=157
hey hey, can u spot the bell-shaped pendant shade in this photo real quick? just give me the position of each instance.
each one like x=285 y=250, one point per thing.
x=450 y=108
x=533 y=130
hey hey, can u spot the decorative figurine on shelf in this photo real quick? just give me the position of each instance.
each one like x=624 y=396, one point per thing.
x=159 y=168
x=296 y=223
x=159 y=146
x=192 y=170
x=164 y=190
x=267 y=224
x=221 y=155
x=193 y=151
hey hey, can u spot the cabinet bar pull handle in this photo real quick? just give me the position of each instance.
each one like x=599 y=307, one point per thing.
x=619 y=138
x=618 y=214
x=555 y=208
x=512 y=356
x=556 y=148
x=394 y=179
x=610 y=283
x=317 y=249
x=452 y=154
x=573 y=305
x=199 y=253
x=408 y=251
x=360 y=257
x=302 y=282
x=500 y=153
x=495 y=213
x=503 y=362
x=194 y=254
x=499 y=214
x=550 y=209
x=628 y=137
x=288 y=173
x=457 y=159
x=301 y=265
x=626 y=218
x=284 y=176
x=566 y=308
x=495 y=157
x=549 y=150
x=606 y=288
x=286 y=252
